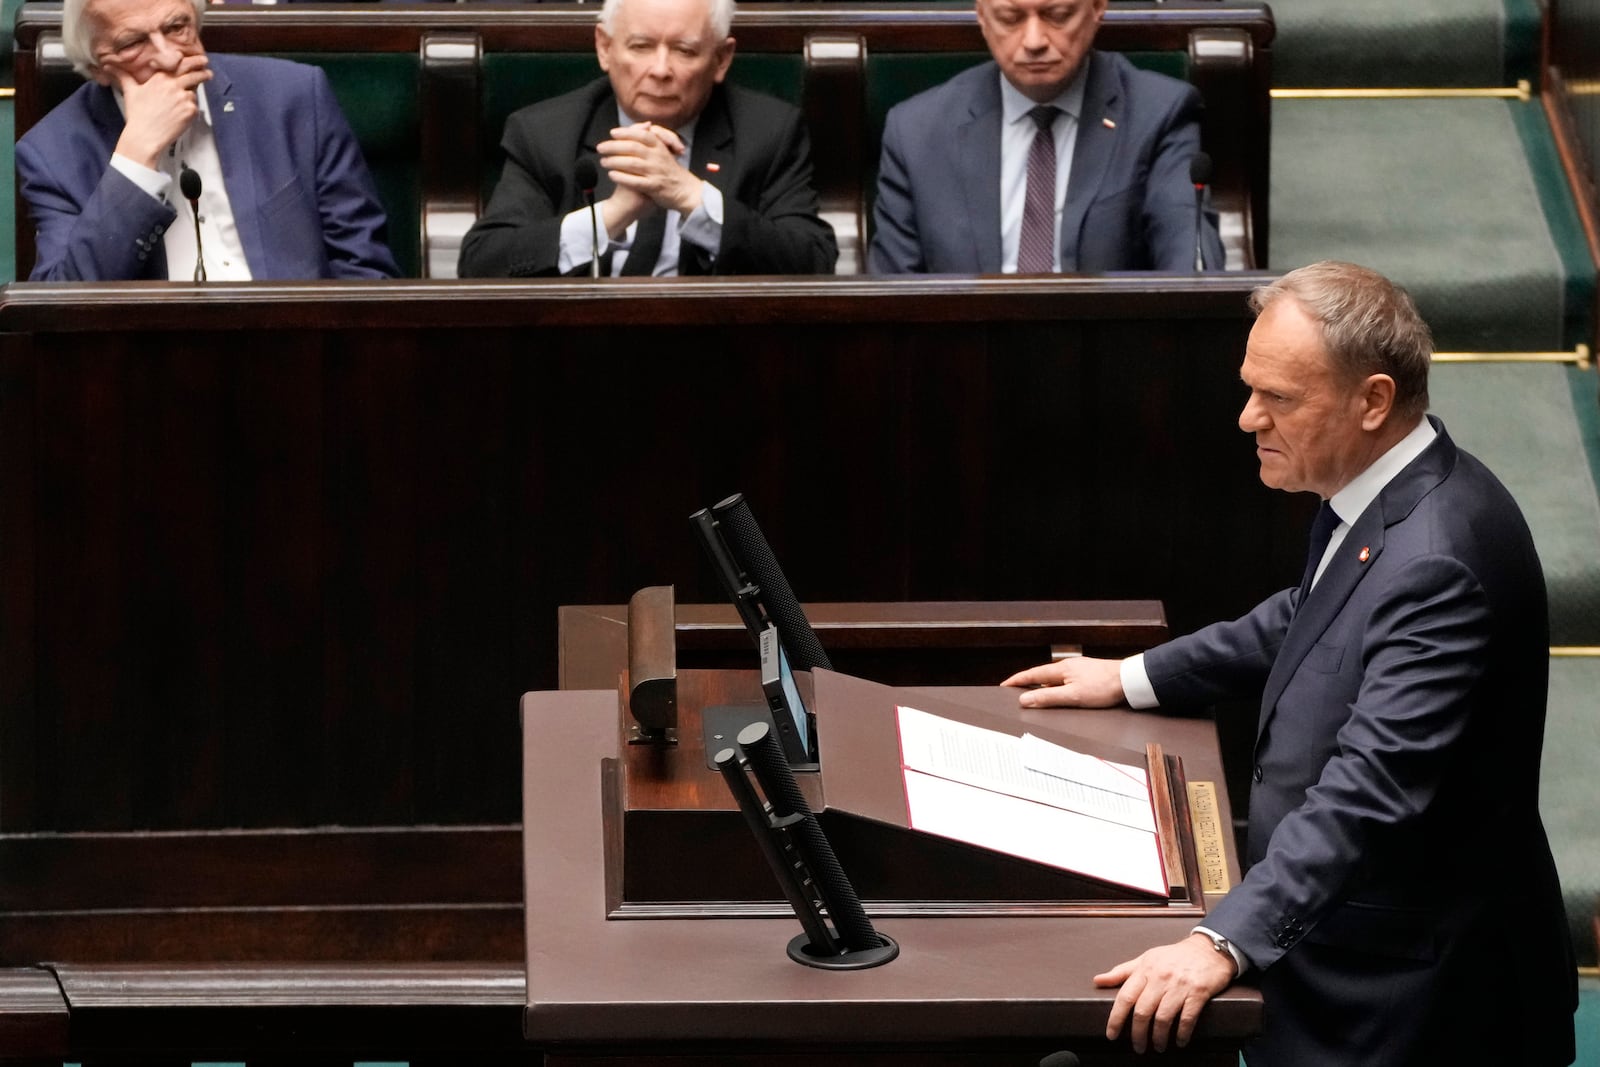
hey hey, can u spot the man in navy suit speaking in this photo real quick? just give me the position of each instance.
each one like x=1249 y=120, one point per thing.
x=1054 y=157
x=1402 y=700
x=283 y=190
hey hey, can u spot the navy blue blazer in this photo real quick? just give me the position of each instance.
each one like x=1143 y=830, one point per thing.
x=302 y=198
x=1130 y=204
x=752 y=147
x=1401 y=903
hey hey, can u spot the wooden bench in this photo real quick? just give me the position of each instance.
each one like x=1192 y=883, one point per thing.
x=406 y=75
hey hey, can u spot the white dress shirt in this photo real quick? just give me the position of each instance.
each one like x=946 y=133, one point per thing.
x=1017 y=130
x=581 y=242
x=196 y=147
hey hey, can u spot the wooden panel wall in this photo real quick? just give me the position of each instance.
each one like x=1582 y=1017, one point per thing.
x=287 y=556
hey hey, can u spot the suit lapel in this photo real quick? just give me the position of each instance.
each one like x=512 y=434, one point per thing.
x=978 y=157
x=713 y=144
x=601 y=122
x=230 y=125
x=1091 y=153
x=1347 y=567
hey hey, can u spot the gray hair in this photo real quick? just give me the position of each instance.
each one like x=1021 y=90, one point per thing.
x=77 y=33
x=719 y=11
x=1369 y=325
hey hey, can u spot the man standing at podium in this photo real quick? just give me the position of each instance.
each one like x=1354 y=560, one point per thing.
x=1400 y=904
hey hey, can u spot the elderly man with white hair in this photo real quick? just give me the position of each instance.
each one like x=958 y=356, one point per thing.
x=690 y=175
x=283 y=190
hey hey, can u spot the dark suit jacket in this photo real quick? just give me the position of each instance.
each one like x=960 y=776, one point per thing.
x=1401 y=900
x=301 y=195
x=770 y=219
x=1130 y=204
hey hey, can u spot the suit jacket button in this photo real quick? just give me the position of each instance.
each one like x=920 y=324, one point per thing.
x=1257 y=775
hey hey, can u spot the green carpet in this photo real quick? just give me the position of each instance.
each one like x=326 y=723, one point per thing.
x=1437 y=194
x=8 y=199
x=1412 y=44
x=1520 y=420
x=1567 y=791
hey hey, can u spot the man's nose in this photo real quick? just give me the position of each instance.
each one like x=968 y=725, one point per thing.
x=164 y=54
x=661 y=63
x=1253 y=417
x=1033 y=35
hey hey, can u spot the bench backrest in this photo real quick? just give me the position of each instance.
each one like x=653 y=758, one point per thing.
x=409 y=76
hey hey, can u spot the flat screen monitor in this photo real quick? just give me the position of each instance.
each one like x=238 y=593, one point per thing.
x=789 y=713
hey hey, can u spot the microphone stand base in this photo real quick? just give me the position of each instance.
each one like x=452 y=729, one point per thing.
x=853 y=960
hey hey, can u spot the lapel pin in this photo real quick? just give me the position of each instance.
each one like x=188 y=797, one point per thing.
x=1108 y=124
x=228 y=106
x=713 y=167
x=1366 y=554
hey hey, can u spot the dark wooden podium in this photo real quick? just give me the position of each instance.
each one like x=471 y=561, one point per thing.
x=615 y=974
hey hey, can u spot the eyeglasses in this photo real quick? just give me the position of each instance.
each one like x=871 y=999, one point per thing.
x=127 y=49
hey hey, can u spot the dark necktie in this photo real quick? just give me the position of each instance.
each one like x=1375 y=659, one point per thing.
x=1036 y=244
x=1321 y=533
x=646 y=244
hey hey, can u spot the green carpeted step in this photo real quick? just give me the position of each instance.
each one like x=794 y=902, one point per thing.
x=1437 y=194
x=1430 y=44
x=1520 y=420
x=8 y=199
x=1567 y=793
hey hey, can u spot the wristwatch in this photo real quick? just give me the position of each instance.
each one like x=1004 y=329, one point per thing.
x=1221 y=944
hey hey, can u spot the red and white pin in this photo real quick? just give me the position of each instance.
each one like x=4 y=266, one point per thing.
x=1366 y=554
x=713 y=168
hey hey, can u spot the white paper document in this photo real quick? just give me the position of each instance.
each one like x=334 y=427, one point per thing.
x=1027 y=767
x=991 y=789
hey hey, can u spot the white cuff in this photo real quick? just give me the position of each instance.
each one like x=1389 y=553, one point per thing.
x=1136 y=687
x=579 y=243
x=154 y=182
x=703 y=226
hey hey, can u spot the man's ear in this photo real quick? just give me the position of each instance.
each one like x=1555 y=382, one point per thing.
x=602 y=48
x=1377 y=401
x=724 y=59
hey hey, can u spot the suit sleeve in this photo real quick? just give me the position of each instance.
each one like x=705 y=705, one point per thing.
x=1169 y=194
x=777 y=228
x=1418 y=656
x=354 y=226
x=519 y=233
x=895 y=248
x=109 y=237
x=1223 y=661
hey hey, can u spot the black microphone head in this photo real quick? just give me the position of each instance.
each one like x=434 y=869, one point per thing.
x=1059 y=1059
x=587 y=173
x=1200 y=169
x=189 y=183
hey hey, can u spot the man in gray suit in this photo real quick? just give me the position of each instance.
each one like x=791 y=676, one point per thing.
x=1400 y=905
x=1052 y=158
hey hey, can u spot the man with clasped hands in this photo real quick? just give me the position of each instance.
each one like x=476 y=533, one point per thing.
x=1402 y=701
x=690 y=175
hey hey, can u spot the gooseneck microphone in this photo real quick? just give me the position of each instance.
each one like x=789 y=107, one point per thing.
x=1200 y=176
x=588 y=176
x=189 y=185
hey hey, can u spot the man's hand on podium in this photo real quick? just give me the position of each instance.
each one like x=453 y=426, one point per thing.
x=1074 y=682
x=1165 y=985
